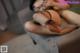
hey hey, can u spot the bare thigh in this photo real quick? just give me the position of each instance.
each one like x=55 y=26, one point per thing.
x=34 y=28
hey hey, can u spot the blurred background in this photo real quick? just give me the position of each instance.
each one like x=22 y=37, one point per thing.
x=11 y=24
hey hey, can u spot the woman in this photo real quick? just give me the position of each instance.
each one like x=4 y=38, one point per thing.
x=39 y=29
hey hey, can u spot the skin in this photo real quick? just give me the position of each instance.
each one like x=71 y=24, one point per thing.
x=51 y=28
x=71 y=17
x=30 y=26
x=56 y=4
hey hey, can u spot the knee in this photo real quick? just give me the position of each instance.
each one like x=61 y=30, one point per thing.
x=29 y=26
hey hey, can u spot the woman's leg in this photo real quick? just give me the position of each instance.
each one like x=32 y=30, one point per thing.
x=38 y=29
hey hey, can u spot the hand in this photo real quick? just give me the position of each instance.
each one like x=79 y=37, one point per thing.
x=56 y=4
